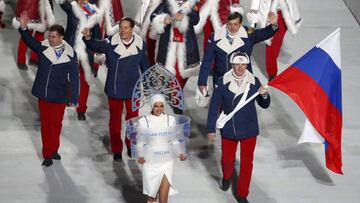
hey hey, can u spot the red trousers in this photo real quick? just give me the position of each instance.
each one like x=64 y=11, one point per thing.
x=96 y=66
x=2 y=25
x=84 y=93
x=116 y=109
x=247 y=148
x=51 y=116
x=272 y=52
x=21 y=59
x=182 y=81
x=208 y=29
x=151 y=46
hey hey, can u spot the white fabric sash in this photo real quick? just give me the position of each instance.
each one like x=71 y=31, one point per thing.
x=223 y=118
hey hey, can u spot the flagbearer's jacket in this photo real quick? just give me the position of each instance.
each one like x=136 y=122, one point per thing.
x=54 y=75
x=227 y=95
x=219 y=50
x=123 y=63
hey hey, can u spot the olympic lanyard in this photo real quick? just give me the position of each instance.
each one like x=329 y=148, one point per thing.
x=59 y=52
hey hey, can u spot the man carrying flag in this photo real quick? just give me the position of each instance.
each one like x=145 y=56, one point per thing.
x=314 y=83
x=231 y=91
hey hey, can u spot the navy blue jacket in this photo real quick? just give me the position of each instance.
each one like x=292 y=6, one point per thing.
x=218 y=50
x=245 y=122
x=54 y=75
x=124 y=64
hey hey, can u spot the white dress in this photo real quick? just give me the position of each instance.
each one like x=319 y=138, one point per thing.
x=153 y=172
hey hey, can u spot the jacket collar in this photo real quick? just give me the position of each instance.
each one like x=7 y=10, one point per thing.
x=233 y=86
x=121 y=50
x=50 y=53
x=223 y=43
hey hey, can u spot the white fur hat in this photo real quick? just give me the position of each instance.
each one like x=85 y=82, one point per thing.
x=156 y=98
x=239 y=58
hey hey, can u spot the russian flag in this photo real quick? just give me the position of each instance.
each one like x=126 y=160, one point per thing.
x=314 y=83
x=88 y=9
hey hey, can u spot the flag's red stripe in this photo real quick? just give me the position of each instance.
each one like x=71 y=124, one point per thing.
x=314 y=102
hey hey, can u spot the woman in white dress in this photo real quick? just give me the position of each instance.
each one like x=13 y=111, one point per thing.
x=157 y=176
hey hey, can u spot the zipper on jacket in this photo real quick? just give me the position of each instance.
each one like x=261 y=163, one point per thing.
x=116 y=70
x=233 y=118
x=47 y=82
x=227 y=63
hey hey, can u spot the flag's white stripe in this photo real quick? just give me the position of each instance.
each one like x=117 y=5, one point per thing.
x=310 y=134
x=331 y=45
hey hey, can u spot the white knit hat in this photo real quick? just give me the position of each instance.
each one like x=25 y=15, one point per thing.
x=156 y=98
x=239 y=58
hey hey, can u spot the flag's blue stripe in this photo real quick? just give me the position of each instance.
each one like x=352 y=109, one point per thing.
x=320 y=66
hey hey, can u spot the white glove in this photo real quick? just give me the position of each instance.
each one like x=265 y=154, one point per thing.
x=202 y=98
x=263 y=91
x=253 y=18
x=236 y=8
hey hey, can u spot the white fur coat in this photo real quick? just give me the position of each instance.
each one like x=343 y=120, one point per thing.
x=47 y=18
x=176 y=51
x=210 y=9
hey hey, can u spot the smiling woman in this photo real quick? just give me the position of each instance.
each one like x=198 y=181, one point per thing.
x=159 y=139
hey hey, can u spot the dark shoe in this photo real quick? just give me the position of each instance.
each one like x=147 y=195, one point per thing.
x=177 y=111
x=129 y=151
x=95 y=72
x=225 y=184
x=47 y=162
x=81 y=116
x=118 y=157
x=56 y=156
x=241 y=199
x=33 y=63
x=22 y=66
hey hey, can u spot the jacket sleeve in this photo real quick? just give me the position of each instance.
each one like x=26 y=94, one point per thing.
x=66 y=6
x=157 y=18
x=30 y=40
x=194 y=17
x=71 y=23
x=264 y=33
x=263 y=102
x=74 y=80
x=215 y=104
x=207 y=61
x=144 y=63
x=96 y=32
x=157 y=11
x=99 y=46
